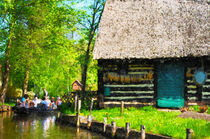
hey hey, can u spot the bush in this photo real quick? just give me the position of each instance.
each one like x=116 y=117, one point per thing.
x=203 y=108
x=66 y=108
x=86 y=98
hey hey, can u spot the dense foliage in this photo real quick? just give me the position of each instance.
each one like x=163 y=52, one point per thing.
x=46 y=42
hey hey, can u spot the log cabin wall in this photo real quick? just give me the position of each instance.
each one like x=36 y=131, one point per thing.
x=206 y=87
x=129 y=81
x=191 y=95
x=206 y=90
x=135 y=82
x=194 y=93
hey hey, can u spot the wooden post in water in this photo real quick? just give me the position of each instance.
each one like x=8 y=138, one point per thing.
x=91 y=105
x=77 y=133
x=143 y=136
x=9 y=108
x=58 y=115
x=127 y=128
x=78 y=113
x=75 y=103
x=79 y=106
x=122 y=107
x=105 y=123
x=113 y=128
x=189 y=133
x=89 y=120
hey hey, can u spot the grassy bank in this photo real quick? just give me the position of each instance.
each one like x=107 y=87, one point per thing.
x=8 y=104
x=158 y=122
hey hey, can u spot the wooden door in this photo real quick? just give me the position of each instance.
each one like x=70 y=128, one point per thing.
x=170 y=86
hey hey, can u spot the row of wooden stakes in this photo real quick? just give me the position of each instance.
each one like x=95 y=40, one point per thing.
x=189 y=132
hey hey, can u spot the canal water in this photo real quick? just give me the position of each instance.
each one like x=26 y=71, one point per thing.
x=39 y=127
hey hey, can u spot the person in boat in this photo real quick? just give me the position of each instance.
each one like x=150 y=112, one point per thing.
x=24 y=101
x=44 y=103
x=27 y=104
x=35 y=101
x=45 y=92
x=48 y=101
x=58 y=102
x=52 y=105
x=18 y=102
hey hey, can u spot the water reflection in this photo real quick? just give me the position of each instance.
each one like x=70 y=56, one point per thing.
x=38 y=127
x=47 y=123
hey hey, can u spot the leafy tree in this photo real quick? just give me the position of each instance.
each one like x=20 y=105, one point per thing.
x=45 y=44
x=8 y=20
x=41 y=47
x=89 y=24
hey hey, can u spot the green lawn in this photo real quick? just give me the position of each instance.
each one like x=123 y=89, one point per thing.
x=158 y=122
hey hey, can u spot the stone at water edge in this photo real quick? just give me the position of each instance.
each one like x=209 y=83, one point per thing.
x=4 y=108
x=9 y=108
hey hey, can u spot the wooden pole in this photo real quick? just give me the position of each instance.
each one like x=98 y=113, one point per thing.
x=113 y=128
x=77 y=133
x=79 y=106
x=127 y=128
x=122 y=107
x=91 y=105
x=189 y=133
x=78 y=113
x=107 y=115
x=75 y=103
x=89 y=120
x=58 y=115
x=143 y=132
x=105 y=123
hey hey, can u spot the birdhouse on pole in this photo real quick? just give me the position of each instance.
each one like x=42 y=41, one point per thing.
x=77 y=86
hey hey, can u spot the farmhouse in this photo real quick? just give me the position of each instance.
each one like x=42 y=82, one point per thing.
x=154 y=52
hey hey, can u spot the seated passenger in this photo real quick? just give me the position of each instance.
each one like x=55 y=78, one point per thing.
x=53 y=106
x=27 y=104
x=58 y=102
x=23 y=100
x=44 y=102
x=18 y=102
x=47 y=102
x=35 y=101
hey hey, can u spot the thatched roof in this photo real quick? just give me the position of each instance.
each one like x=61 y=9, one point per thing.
x=153 y=29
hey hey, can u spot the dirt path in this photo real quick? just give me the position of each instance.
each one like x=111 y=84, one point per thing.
x=195 y=115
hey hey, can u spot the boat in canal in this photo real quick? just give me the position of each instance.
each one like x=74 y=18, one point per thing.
x=40 y=109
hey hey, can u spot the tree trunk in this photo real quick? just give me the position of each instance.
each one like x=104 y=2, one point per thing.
x=0 y=78
x=7 y=62
x=25 y=85
x=84 y=73
x=93 y=28
x=6 y=72
x=87 y=56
